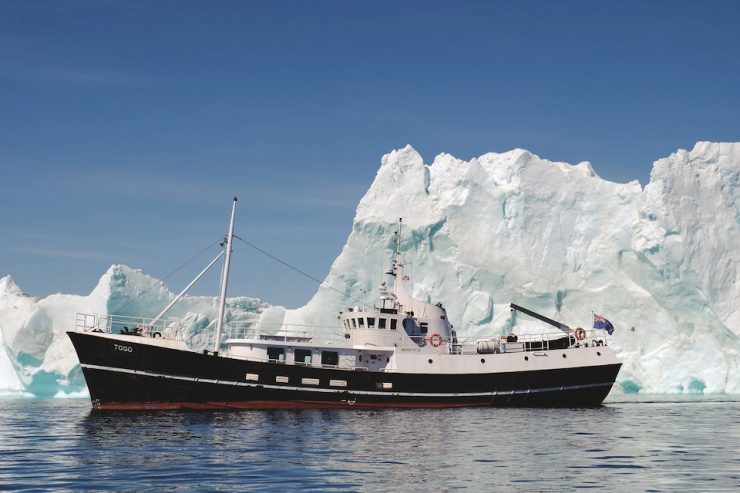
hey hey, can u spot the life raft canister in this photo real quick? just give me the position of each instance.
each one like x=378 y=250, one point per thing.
x=580 y=334
x=435 y=340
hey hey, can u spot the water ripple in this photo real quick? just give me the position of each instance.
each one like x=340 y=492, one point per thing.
x=624 y=446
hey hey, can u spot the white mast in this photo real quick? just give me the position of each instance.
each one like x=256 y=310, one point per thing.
x=224 y=281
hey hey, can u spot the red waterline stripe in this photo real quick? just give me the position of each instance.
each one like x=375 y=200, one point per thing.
x=143 y=406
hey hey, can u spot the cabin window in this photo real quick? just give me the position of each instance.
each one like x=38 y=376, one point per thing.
x=372 y=356
x=423 y=327
x=361 y=322
x=370 y=322
x=302 y=356
x=346 y=324
x=354 y=323
x=330 y=358
x=381 y=323
x=393 y=323
x=276 y=354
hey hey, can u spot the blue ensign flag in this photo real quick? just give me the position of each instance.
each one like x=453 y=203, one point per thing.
x=602 y=323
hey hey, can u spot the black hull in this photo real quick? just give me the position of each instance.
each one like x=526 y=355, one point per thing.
x=143 y=376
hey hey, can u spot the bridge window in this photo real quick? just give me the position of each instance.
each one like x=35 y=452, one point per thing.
x=330 y=358
x=423 y=327
x=361 y=323
x=409 y=325
x=393 y=323
x=302 y=356
x=370 y=322
x=276 y=354
x=354 y=323
x=381 y=323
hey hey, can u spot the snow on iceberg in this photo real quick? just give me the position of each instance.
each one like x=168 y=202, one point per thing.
x=662 y=263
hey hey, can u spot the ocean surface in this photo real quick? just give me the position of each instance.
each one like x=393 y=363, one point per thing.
x=630 y=444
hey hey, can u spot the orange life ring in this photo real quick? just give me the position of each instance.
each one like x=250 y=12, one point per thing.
x=580 y=334
x=435 y=340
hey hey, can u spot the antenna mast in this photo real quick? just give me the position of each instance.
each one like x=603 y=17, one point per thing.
x=397 y=265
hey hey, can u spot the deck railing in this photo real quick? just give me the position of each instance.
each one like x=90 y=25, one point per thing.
x=318 y=334
x=537 y=342
x=463 y=345
x=119 y=324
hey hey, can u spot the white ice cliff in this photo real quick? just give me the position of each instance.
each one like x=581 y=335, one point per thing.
x=662 y=263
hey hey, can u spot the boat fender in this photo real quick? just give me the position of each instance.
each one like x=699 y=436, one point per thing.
x=435 y=340
x=580 y=334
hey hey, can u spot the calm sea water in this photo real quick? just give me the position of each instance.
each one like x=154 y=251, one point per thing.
x=650 y=444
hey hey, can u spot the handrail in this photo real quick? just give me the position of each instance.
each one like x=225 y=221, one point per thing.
x=283 y=332
x=126 y=325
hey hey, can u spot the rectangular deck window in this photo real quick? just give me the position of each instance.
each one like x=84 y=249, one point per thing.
x=330 y=358
x=252 y=377
x=302 y=356
x=282 y=379
x=381 y=323
x=310 y=381
x=276 y=354
x=370 y=322
x=393 y=323
x=337 y=383
x=361 y=323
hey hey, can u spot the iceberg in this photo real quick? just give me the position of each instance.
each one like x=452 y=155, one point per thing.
x=660 y=262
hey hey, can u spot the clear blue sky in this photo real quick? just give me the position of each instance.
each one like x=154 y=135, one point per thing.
x=126 y=127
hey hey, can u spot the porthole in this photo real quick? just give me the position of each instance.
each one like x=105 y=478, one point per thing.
x=430 y=361
x=564 y=356
x=482 y=360
x=526 y=358
x=598 y=353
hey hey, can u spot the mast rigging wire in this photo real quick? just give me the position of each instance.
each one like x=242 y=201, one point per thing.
x=322 y=283
x=166 y=277
x=220 y=241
